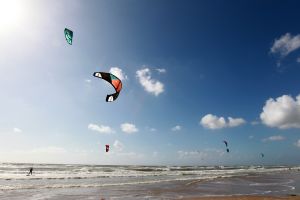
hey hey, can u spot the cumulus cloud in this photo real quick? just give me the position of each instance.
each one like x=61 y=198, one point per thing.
x=273 y=138
x=118 y=73
x=233 y=122
x=286 y=44
x=150 y=85
x=282 y=112
x=17 y=130
x=129 y=128
x=161 y=70
x=118 y=145
x=101 y=128
x=214 y=122
x=176 y=128
x=298 y=143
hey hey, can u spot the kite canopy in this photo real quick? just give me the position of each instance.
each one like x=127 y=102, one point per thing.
x=114 y=81
x=69 y=35
x=106 y=148
x=225 y=142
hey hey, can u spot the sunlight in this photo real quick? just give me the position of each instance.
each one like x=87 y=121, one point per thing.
x=11 y=12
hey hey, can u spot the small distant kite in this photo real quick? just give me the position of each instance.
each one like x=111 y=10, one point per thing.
x=106 y=147
x=114 y=81
x=262 y=155
x=226 y=143
x=69 y=36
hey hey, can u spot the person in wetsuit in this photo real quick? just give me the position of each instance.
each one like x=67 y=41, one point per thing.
x=30 y=171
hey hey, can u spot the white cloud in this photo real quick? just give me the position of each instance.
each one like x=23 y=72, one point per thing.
x=214 y=122
x=152 y=129
x=129 y=128
x=150 y=85
x=273 y=138
x=17 y=130
x=176 y=128
x=118 y=73
x=233 y=122
x=100 y=128
x=118 y=145
x=298 y=143
x=161 y=70
x=286 y=44
x=283 y=113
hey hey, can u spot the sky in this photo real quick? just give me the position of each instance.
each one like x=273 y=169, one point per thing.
x=194 y=73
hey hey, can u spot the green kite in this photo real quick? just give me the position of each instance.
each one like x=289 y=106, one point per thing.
x=69 y=35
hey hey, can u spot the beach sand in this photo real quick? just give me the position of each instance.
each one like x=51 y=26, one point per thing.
x=246 y=198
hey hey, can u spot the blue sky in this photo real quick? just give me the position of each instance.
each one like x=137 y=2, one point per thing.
x=194 y=74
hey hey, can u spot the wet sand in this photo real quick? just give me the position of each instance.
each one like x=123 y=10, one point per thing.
x=246 y=198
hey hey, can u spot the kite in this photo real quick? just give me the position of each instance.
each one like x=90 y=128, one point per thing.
x=262 y=155
x=114 y=81
x=106 y=147
x=69 y=35
x=226 y=143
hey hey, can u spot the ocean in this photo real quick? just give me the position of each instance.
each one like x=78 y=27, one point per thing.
x=58 y=181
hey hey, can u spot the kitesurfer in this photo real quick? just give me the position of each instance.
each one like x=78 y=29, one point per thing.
x=30 y=171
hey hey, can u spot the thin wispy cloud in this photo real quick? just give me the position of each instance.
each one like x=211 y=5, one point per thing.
x=101 y=128
x=254 y=123
x=17 y=130
x=150 y=85
x=206 y=153
x=298 y=143
x=49 y=150
x=282 y=112
x=176 y=128
x=286 y=44
x=129 y=128
x=210 y=121
x=161 y=70
x=118 y=72
x=118 y=145
x=154 y=154
x=273 y=138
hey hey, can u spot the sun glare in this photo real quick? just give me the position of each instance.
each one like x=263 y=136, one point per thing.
x=10 y=14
